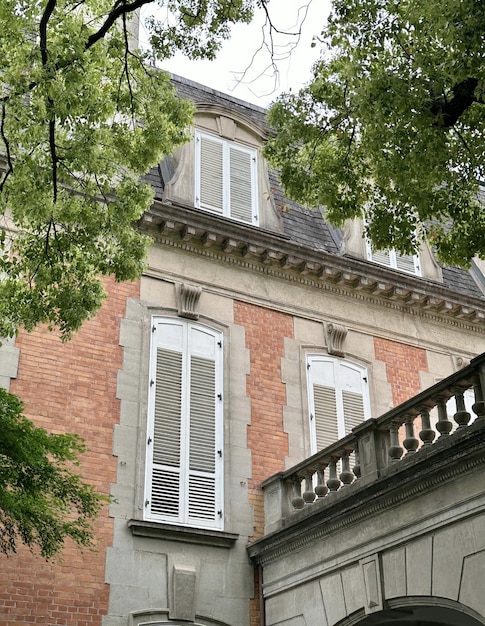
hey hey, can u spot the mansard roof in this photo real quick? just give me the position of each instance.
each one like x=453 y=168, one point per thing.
x=305 y=232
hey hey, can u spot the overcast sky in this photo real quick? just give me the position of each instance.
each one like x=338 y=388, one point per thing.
x=244 y=53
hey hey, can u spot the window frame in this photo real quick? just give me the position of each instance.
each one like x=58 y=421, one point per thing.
x=226 y=210
x=337 y=365
x=187 y=329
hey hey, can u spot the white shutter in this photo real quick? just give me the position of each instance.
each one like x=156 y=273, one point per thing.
x=380 y=256
x=211 y=174
x=202 y=439
x=407 y=263
x=165 y=438
x=351 y=382
x=184 y=467
x=241 y=184
x=325 y=416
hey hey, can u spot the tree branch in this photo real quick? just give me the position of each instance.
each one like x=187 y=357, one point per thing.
x=448 y=112
x=7 y=149
x=49 y=9
x=118 y=10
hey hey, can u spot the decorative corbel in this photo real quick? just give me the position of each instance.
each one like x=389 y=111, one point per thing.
x=187 y=300
x=460 y=362
x=336 y=334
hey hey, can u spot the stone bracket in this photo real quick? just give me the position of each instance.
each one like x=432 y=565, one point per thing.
x=371 y=571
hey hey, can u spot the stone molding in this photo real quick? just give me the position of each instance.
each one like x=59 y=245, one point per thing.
x=271 y=253
x=200 y=536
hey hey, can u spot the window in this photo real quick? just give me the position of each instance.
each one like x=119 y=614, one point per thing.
x=390 y=258
x=184 y=435
x=226 y=176
x=338 y=399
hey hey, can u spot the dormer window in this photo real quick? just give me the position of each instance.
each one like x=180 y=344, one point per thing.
x=226 y=178
x=408 y=263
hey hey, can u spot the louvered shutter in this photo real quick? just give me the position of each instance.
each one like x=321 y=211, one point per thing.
x=322 y=401
x=407 y=263
x=202 y=502
x=184 y=481
x=241 y=184
x=325 y=416
x=211 y=174
x=352 y=386
x=381 y=256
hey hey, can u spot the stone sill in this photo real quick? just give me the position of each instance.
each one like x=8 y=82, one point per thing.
x=201 y=536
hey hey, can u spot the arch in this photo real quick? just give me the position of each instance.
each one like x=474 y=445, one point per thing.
x=417 y=611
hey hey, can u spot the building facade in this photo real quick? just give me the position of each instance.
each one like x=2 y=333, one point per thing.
x=257 y=335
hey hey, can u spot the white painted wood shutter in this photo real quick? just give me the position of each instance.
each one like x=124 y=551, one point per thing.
x=338 y=399
x=226 y=178
x=184 y=443
x=241 y=183
x=211 y=172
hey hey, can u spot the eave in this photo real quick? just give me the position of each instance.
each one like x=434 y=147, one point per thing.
x=273 y=253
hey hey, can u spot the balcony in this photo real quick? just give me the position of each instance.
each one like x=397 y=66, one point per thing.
x=409 y=437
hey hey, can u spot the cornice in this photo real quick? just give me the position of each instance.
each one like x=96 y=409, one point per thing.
x=415 y=475
x=273 y=254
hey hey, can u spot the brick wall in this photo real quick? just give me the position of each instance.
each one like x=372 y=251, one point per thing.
x=265 y=331
x=69 y=387
x=403 y=364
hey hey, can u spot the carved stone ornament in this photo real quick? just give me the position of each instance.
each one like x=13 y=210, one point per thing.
x=187 y=300
x=336 y=334
x=460 y=362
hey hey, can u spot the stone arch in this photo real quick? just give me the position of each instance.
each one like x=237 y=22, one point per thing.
x=417 y=611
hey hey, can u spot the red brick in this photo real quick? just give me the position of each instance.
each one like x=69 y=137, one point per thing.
x=70 y=387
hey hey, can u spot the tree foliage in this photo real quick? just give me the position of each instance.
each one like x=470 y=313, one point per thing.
x=391 y=126
x=82 y=117
x=42 y=501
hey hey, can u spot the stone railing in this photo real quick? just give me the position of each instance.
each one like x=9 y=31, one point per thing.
x=365 y=454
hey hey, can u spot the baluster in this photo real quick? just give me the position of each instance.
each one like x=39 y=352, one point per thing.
x=357 y=468
x=321 y=489
x=308 y=495
x=461 y=417
x=411 y=442
x=346 y=475
x=443 y=426
x=333 y=482
x=395 y=450
x=479 y=389
x=297 y=501
x=427 y=434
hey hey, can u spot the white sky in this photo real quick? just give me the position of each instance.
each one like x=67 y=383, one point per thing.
x=242 y=52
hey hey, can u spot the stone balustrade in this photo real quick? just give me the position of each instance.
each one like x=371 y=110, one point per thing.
x=366 y=454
